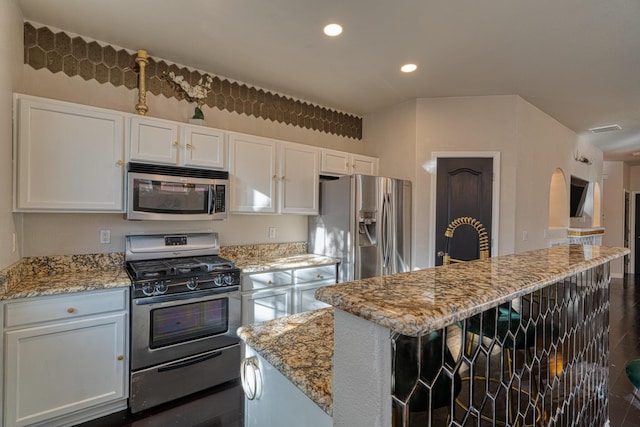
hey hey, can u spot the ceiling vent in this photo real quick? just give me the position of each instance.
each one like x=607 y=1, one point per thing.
x=607 y=128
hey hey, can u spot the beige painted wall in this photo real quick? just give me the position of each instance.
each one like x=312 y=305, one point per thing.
x=544 y=145
x=11 y=48
x=392 y=136
x=531 y=145
x=473 y=124
x=616 y=178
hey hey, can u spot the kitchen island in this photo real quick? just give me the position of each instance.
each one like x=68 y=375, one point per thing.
x=402 y=342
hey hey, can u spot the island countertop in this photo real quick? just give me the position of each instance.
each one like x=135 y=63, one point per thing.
x=301 y=348
x=422 y=301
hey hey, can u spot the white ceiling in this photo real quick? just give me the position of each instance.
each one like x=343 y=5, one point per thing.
x=577 y=60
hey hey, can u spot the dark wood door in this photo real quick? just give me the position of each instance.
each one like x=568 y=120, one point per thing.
x=463 y=188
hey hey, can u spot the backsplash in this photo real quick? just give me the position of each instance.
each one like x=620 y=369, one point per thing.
x=274 y=250
x=60 y=52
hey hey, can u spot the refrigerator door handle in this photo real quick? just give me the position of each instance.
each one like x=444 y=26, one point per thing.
x=386 y=238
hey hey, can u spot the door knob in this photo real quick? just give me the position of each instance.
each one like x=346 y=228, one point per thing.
x=440 y=253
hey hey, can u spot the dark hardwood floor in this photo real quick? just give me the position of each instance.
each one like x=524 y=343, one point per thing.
x=624 y=346
x=222 y=406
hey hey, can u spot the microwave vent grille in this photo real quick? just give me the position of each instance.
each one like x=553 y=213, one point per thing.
x=177 y=171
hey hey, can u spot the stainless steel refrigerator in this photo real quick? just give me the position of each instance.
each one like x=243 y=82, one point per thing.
x=366 y=222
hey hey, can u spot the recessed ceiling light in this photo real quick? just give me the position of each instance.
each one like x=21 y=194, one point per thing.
x=333 y=30
x=607 y=128
x=408 y=68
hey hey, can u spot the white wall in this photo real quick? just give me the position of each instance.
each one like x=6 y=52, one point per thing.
x=11 y=52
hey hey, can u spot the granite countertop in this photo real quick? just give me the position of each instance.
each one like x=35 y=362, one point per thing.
x=301 y=348
x=60 y=274
x=53 y=275
x=260 y=264
x=422 y=301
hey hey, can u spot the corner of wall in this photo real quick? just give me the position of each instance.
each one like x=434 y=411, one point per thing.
x=11 y=51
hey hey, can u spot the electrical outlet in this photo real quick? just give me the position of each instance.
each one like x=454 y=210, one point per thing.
x=525 y=235
x=272 y=232
x=14 y=242
x=105 y=236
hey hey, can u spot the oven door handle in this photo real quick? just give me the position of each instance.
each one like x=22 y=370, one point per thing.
x=189 y=362
x=187 y=296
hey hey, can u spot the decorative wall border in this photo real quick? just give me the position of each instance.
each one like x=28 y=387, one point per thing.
x=59 y=52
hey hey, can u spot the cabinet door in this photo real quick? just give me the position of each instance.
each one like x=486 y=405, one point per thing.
x=364 y=165
x=266 y=305
x=299 y=179
x=252 y=172
x=69 y=158
x=153 y=140
x=305 y=298
x=335 y=162
x=204 y=147
x=56 y=369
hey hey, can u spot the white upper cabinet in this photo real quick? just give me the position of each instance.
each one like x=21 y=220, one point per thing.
x=153 y=140
x=69 y=158
x=252 y=172
x=335 y=162
x=204 y=147
x=269 y=176
x=171 y=143
x=364 y=165
x=299 y=179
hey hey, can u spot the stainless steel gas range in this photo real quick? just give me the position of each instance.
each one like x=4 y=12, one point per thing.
x=185 y=310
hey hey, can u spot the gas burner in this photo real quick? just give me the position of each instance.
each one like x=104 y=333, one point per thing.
x=159 y=266
x=181 y=266
x=149 y=269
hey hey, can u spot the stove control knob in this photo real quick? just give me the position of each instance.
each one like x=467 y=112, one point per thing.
x=217 y=280
x=161 y=288
x=228 y=279
x=148 y=289
x=192 y=283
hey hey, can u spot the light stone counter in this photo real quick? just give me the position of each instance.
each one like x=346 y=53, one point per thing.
x=301 y=348
x=52 y=275
x=257 y=265
x=422 y=301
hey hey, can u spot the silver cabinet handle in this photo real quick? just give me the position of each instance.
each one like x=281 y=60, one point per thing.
x=251 y=378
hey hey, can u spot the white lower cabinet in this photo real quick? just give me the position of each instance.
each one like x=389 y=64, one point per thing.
x=274 y=401
x=67 y=363
x=307 y=280
x=272 y=294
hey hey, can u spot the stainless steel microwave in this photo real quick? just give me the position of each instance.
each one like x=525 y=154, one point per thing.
x=156 y=192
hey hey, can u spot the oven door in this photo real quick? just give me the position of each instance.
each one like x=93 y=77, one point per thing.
x=170 y=327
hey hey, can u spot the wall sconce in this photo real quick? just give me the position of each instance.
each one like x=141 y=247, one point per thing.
x=582 y=159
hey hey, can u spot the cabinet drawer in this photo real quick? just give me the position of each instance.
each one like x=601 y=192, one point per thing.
x=266 y=280
x=314 y=274
x=60 y=307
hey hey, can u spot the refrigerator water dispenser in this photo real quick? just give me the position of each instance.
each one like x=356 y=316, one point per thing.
x=367 y=228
